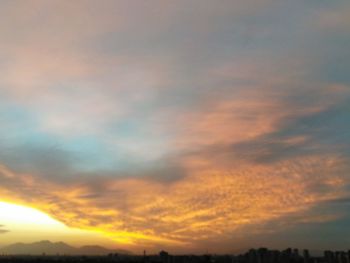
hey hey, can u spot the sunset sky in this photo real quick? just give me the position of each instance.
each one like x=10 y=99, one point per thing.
x=183 y=125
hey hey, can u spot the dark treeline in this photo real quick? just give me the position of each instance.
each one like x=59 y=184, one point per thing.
x=261 y=255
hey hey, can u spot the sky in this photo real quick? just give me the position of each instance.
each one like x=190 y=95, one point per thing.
x=187 y=125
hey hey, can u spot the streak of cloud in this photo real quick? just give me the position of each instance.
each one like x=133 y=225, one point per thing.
x=3 y=230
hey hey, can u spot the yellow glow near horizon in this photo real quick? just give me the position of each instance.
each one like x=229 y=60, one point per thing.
x=21 y=218
x=21 y=215
x=26 y=224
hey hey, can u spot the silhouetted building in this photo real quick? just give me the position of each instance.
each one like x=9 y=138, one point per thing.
x=306 y=256
x=261 y=255
x=252 y=256
x=164 y=256
x=329 y=256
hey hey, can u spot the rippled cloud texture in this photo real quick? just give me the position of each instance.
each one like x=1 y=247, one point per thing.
x=180 y=124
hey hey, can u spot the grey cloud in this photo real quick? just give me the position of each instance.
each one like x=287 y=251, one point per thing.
x=323 y=132
x=45 y=161
x=343 y=200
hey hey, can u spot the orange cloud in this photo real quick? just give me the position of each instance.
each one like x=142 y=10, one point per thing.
x=211 y=203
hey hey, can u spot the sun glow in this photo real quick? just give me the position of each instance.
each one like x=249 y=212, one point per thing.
x=21 y=215
x=28 y=224
x=24 y=218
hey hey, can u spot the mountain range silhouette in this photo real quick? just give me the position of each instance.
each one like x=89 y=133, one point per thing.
x=53 y=248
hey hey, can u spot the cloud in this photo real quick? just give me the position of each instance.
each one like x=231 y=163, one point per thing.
x=2 y=230
x=185 y=124
x=307 y=134
x=212 y=202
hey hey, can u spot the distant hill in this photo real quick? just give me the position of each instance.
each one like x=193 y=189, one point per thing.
x=50 y=248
